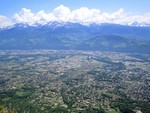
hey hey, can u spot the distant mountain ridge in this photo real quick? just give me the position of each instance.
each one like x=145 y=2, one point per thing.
x=61 y=35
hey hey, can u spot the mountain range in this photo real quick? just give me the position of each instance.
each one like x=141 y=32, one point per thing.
x=76 y=36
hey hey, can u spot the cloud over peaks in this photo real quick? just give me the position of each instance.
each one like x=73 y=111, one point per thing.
x=62 y=13
x=4 y=21
x=81 y=15
x=25 y=16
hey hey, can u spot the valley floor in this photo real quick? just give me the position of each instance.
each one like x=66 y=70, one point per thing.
x=55 y=81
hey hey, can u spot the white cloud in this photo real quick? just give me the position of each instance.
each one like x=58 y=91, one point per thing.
x=4 y=21
x=62 y=13
x=81 y=15
x=43 y=18
x=84 y=15
x=25 y=16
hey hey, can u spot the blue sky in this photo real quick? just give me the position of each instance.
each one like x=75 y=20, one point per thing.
x=9 y=7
